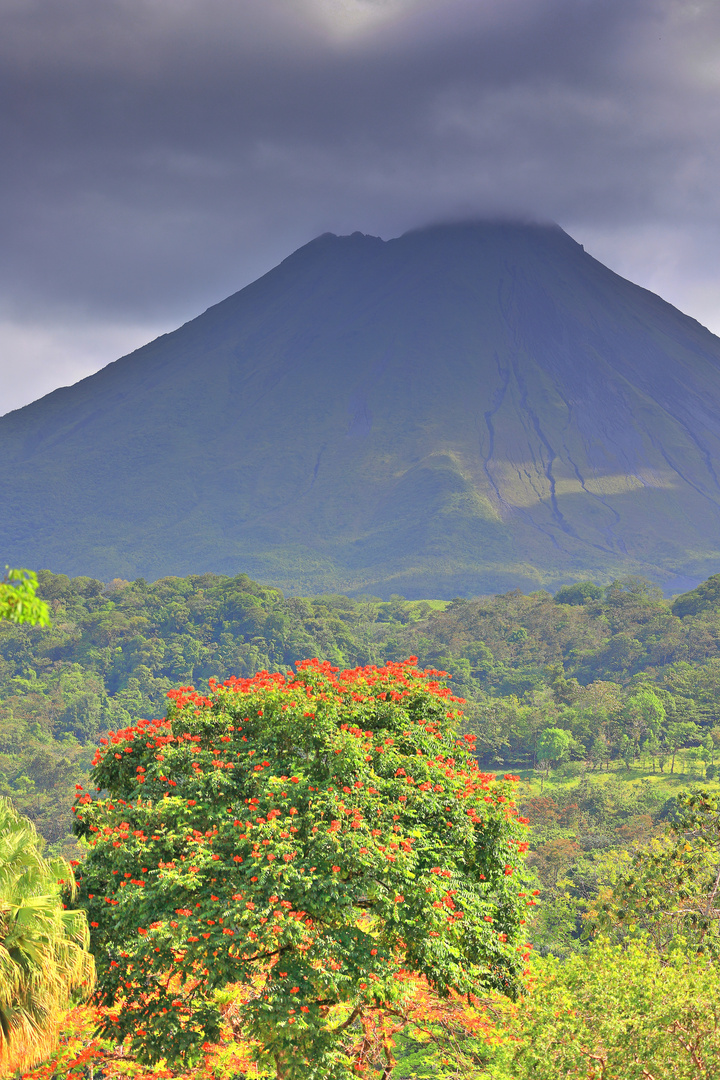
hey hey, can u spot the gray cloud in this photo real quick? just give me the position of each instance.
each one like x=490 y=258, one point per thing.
x=159 y=154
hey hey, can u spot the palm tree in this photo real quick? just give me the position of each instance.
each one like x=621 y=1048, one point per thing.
x=44 y=958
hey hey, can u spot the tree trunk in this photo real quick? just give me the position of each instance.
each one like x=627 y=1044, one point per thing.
x=280 y=1070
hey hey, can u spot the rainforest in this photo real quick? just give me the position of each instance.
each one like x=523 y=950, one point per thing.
x=585 y=721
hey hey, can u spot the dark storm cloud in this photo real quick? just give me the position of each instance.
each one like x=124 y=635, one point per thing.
x=158 y=154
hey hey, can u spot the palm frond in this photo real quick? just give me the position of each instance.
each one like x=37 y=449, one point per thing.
x=44 y=958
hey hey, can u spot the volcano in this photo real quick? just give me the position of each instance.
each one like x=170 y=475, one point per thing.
x=465 y=409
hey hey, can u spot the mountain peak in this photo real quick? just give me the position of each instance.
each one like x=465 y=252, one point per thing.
x=472 y=406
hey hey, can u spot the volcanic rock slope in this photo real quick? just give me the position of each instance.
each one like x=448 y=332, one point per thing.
x=465 y=409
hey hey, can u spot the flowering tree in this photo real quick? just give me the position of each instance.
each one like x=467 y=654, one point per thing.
x=324 y=839
x=442 y=1039
x=79 y=1053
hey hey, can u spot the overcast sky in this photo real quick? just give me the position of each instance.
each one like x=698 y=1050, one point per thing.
x=157 y=155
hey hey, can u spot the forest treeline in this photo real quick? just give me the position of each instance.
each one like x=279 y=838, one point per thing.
x=603 y=676
x=603 y=700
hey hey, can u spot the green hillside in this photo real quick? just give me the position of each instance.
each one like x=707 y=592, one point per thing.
x=460 y=411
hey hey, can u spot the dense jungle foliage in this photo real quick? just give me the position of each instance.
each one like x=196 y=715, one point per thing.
x=605 y=701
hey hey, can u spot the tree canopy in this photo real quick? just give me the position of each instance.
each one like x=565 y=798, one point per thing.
x=612 y=1013
x=666 y=890
x=316 y=837
x=18 y=602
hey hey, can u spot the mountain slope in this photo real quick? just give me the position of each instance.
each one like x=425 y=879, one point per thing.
x=461 y=410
